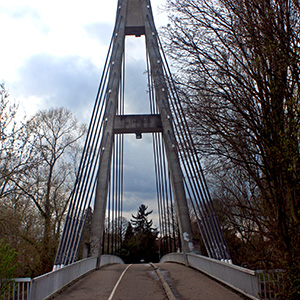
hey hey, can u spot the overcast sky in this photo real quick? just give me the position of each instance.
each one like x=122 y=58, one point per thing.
x=52 y=54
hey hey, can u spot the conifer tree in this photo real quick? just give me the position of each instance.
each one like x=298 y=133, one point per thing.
x=140 y=222
x=140 y=239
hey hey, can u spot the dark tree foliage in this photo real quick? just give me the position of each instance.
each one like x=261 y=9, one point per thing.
x=129 y=232
x=238 y=74
x=140 y=222
x=140 y=243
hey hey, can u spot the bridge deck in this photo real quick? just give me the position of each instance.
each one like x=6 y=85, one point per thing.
x=141 y=282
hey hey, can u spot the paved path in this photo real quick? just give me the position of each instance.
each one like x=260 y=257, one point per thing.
x=140 y=282
x=189 y=284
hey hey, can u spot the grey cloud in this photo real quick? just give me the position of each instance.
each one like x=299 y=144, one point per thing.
x=138 y=163
x=70 y=82
x=133 y=200
x=136 y=90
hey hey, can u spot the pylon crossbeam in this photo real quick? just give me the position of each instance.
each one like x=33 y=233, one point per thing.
x=137 y=124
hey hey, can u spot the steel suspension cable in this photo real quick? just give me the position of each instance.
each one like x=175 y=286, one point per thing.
x=80 y=198
x=114 y=209
x=153 y=110
x=186 y=137
x=208 y=210
x=163 y=185
x=189 y=167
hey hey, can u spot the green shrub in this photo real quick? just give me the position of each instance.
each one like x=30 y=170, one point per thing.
x=7 y=266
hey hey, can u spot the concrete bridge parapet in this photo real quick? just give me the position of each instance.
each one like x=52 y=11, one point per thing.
x=242 y=280
x=48 y=284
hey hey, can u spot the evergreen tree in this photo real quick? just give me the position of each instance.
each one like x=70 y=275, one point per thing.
x=140 y=222
x=140 y=239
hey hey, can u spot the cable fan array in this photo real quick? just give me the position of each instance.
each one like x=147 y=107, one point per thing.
x=85 y=185
x=169 y=240
x=195 y=184
x=113 y=232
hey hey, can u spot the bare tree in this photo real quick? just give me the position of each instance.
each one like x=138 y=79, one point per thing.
x=48 y=180
x=38 y=161
x=12 y=160
x=238 y=70
x=18 y=219
x=12 y=142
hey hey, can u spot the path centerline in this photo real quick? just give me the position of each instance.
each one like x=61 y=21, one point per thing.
x=118 y=282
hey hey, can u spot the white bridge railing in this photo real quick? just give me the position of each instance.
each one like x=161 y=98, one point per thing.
x=17 y=288
x=269 y=282
x=252 y=284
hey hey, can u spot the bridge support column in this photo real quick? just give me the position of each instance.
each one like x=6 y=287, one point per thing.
x=112 y=94
x=161 y=92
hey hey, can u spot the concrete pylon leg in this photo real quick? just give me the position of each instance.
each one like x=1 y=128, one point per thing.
x=107 y=141
x=100 y=203
x=161 y=92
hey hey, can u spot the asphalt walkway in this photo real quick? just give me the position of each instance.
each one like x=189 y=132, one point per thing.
x=140 y=282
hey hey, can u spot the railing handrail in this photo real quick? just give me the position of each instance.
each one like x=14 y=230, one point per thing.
x=21 y=279
x=17 y=288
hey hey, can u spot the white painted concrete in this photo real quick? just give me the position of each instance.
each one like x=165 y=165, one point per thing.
x=110 y=259
x=240 y=279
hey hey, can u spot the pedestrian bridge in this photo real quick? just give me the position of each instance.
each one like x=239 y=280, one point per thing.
x=178 y=175
x=177 y=276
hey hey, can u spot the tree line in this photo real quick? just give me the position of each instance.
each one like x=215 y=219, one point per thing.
x=237 y=72
x=38 y=162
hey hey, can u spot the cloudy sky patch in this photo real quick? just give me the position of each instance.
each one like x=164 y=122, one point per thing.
x=52 y=54
x=69 y=81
